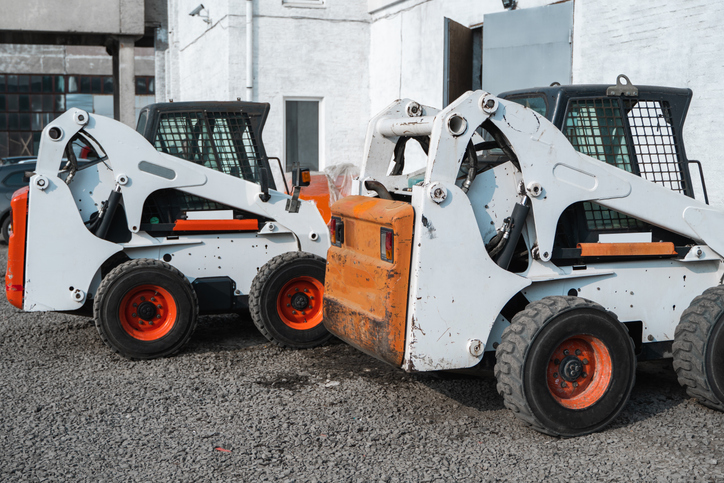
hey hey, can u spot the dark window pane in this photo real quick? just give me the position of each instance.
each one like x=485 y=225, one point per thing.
x=48 y=118
x=15 y=179
x=24 y=104
x=36 y=143
x=3 y=122
x=37 y=122
x=302 y=134
x=59 y=83
x=36 y=83
x=12 y=122
x=3 y=144
x=141 y=89
x=96 y=85
x=108 y=85
x=85 y=85
x=2 y=83
x=12 y=102
x=23 y=83
x=24 y=122
x=36 y=103
x=2 y=102
x=20 y=144
x=47 y=83
x=81 y=101
x=151 y=87
x=59 y=103
x=73 y=84
x=12 y=83
x=48 y=103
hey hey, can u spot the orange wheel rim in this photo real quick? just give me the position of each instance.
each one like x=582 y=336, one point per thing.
x=148 y=312
x=579 y=372
x=299 y=303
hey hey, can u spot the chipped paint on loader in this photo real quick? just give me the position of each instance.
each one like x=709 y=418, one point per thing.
x=366 y=297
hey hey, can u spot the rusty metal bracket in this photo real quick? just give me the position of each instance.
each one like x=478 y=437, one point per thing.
x=623 y=87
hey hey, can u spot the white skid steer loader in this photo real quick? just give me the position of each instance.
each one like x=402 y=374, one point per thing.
x=147 y=240
x=556 y=242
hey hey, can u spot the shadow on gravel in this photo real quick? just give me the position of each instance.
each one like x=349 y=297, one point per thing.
x=657 y=391
x=224 y=333
x=338 y=361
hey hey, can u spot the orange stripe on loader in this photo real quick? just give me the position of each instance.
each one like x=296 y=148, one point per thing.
x=626 y=249
x=365 y=299
x=216 y=225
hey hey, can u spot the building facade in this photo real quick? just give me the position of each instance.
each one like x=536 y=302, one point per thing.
x=326 y=66
x=40 y=82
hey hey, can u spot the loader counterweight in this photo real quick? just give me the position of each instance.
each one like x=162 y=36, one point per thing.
x=365 y=301
x=15 y=275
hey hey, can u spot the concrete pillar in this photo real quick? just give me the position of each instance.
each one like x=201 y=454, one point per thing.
x=160 y=50
x=124 y=79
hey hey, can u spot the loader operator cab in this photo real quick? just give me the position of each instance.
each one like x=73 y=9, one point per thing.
x=223 y=136
x=635 y=128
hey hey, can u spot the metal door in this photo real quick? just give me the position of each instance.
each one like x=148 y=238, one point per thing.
x=527 y=48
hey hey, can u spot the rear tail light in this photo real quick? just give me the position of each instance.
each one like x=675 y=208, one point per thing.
x=336 y=231
x=387 y=245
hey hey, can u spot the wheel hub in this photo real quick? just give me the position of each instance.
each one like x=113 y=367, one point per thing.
x=147 y=311
x=300 y=301
x=571 y=368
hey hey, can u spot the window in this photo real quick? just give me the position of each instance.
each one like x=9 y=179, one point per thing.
x=29 y=102
x=218 y=140
x=16 y=179
x=302 y=134
x=597 y=128
x=537 y=103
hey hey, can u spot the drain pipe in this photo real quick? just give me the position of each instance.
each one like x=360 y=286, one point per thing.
x=249 y=50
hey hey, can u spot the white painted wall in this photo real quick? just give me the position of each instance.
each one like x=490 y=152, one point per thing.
x=667 y=42
x=316 y=53
x=357 y=56
x=407 y=45
x=299 y=53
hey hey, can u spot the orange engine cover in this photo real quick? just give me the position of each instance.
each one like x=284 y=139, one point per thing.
x=15 y=275
x=365 y=299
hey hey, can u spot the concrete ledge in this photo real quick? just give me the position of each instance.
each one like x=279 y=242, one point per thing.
x=114 y=17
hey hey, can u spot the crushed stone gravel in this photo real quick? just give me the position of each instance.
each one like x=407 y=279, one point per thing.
x=232 y=407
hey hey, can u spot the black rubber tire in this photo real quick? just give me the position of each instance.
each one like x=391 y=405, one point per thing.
x=5 y=227
x=124 y=278
x=526 y=349
x=699 y=348
x=265 y=288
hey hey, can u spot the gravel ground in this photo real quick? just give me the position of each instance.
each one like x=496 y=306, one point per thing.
x=231 y=407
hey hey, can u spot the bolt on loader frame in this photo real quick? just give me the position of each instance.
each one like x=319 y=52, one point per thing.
x=562 y=240
x=147 y=240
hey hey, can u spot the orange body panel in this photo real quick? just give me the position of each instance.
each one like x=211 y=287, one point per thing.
x=626 y=249
x=365 y=299
x=318 y=191
x=216 y=225
x=15 y=275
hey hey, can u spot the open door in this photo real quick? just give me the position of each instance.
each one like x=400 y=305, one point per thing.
x=458 y=61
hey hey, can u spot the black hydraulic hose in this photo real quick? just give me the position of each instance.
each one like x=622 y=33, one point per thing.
x=472 y=156
x=517 y=220
x=113 y=200
x=378 y=188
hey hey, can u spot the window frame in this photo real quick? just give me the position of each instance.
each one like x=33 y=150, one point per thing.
x=304 y=3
